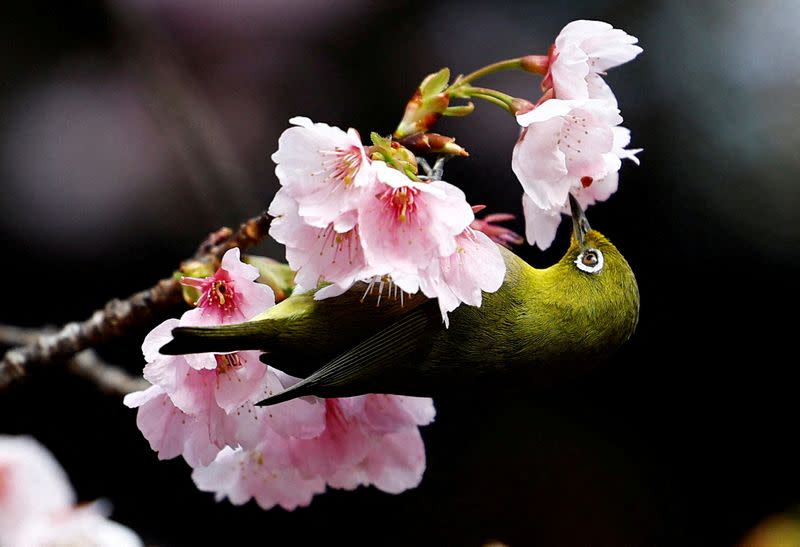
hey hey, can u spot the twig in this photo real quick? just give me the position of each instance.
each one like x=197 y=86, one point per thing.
x=109 y=378
x=118 y=316
x=19 y=336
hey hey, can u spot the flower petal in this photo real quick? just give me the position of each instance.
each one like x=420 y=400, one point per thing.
x=540 y=224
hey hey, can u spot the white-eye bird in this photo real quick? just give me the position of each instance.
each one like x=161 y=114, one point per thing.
x=540 y=325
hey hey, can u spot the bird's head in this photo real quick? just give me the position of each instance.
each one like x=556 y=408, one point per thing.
x=599 y=284
x=591 y=256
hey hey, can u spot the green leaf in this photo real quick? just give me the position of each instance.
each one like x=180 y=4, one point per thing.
x=435 y=83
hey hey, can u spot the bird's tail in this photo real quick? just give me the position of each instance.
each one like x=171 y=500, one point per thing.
x=220 y=339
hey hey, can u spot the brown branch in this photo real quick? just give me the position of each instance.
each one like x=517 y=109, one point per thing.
x=118 y=316
x=109 y=378
x=19 y=336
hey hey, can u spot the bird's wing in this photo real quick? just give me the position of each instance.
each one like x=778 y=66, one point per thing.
x=309 y=333
x=376 y=365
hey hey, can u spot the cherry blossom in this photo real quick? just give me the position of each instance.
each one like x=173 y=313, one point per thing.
x=200 y=404
x=345 y=218
x=367 y=440
x=37 y=503
x=583 y=51
x=207 y=410
x=31 y=482
x=79 y=526
x=228 y=296
x=541 y=223
x=318 y=254
x=265 y=473
x=324 y=169
x=475 y=266
x=566 y=146
x=397 y=231
x=235 y=379
x=170 y=431
x=408 y=224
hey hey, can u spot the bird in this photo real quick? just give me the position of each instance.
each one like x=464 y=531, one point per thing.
x=539 y=326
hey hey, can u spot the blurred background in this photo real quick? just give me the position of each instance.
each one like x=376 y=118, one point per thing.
x=130 y=129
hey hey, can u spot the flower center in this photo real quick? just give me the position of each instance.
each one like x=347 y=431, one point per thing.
x=219 y=294
x=346 y=243
x=400 y=202
x=227 y=362
x=573 y=132
x=343 y=165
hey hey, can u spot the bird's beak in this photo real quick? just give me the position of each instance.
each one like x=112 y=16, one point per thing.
x=580 y=225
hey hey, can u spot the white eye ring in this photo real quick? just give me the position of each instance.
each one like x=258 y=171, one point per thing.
x=590 y=261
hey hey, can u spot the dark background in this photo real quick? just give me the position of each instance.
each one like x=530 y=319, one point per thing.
x=129 y=130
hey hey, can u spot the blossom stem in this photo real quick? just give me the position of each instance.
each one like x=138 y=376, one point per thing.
x=508 y=64
x=494 y=101
x=493 y=96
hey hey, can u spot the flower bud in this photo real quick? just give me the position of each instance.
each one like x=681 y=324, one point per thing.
x=193 y=268
x=277 y=275
x=433 y=143
x=426 y=105
x=538 y=64
x=394 y=153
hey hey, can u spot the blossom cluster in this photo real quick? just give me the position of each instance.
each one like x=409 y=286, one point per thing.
x=202 y=407
x=345 y=216
x=348 y=213
x=37 y=503
x=571 y=140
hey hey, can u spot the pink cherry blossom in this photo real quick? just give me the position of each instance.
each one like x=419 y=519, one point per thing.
x=199 y=404
x=541 y=223
x=381 y=413
x=371 y=439
x=86 y=525
x=475 y=266
x=566 y=146
x=31 y=482
x=228 y=296
x=318 y=254
x=37 y=503
x=236 y=379
x=380 y=440
x=582 y=52
x=170 y=431
x=324 y=169
x=406 y=224
x=394 y=462
x=265 y=473
x=207 y=410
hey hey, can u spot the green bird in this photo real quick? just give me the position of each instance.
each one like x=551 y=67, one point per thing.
x=541 y=325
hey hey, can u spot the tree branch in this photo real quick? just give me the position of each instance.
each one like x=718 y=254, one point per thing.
x=109 y=378
x=118 y=316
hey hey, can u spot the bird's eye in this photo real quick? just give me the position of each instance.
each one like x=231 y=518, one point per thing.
x=590 y=261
